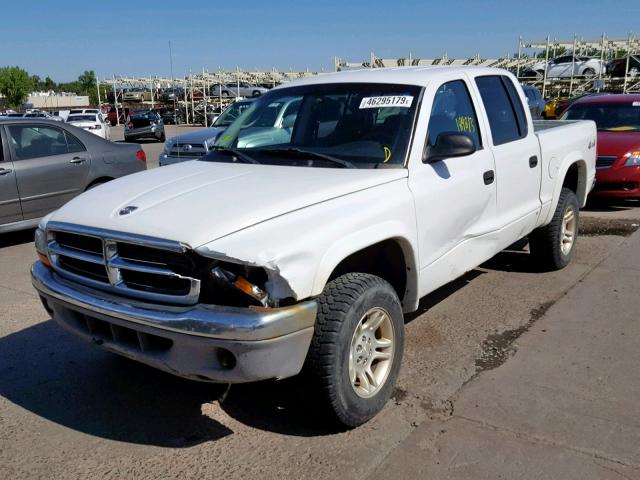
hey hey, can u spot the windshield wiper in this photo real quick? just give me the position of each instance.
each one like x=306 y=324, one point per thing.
x=241 y=155
x=298 y=152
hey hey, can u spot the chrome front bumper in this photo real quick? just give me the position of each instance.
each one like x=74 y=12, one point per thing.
x=262 y=342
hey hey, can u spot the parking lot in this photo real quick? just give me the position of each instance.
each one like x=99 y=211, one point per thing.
x=69 y=410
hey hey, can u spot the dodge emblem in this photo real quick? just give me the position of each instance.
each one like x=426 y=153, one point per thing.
x=127 y=210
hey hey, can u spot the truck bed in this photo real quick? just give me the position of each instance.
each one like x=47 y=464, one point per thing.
x=540 y=125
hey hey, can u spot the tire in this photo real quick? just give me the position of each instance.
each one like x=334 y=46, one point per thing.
x=127 y=139
x=256 y=93
x=539 y=74
x=346 y=303
x=589 y=73
x=162 y=138
x=549 y=245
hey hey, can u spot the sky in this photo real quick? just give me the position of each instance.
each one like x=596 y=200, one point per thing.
x=62 y=38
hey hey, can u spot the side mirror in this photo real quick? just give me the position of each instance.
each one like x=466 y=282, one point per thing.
x=449 y=144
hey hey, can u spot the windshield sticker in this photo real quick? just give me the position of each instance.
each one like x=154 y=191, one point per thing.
x=635 y=104
x=387 y=101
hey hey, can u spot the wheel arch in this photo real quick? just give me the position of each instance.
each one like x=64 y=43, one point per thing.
x=98 y=180
x=391 y=258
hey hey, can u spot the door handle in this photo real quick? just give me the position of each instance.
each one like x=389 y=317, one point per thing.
x=5 y=171
x=533 y=162
x=77 y=160
x=488 y=176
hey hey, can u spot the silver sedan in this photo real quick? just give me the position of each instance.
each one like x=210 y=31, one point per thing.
x=44 y=164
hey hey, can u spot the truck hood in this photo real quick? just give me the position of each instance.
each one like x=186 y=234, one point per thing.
x=197 y=202
x=199 y=136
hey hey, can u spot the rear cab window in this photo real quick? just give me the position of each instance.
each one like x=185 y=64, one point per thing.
x=505 y=112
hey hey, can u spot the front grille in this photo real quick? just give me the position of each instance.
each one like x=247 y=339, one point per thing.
x=188 y=150
x=615 y=187
x=138 y=267
x=605 y=161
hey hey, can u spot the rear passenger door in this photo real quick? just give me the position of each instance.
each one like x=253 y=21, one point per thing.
x=51 y=166
x=10 y=211
x=515 y=150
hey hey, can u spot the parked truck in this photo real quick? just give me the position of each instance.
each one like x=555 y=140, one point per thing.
x=252 y=262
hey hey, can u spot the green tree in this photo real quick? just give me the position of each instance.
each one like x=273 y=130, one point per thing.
x=15 y=84
x=87 y=85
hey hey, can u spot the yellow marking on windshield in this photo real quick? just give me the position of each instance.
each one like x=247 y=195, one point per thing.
x=387 y=154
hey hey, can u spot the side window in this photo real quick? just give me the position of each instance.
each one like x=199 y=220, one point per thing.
x=453 y=111
x=73 y=144
x=500 y=112
x=33 y=141
x=517 y=105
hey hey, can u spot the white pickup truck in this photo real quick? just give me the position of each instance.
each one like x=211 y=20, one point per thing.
x=250 y=263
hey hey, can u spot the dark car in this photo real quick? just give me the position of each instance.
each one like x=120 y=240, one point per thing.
x=535 y=101
x=172 y=95
x=618 y=163
x=44 y=164
x=618 y=67
x=144 y=124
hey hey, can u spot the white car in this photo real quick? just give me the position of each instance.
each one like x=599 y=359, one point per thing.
x=92 y=122
x=42 y=115
x=251 y=262
x=561 y=67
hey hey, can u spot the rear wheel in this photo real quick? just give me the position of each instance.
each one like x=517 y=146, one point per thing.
x=552 y=246
x=162 y=138
x=357 y=346
x=589 y=73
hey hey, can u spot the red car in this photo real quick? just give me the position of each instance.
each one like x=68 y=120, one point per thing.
x=618 y=162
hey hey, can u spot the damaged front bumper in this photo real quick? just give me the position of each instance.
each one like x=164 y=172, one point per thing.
x=201 y=342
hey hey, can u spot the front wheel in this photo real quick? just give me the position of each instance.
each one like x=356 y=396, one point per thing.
x=357 y=346
x=589 y=73
x=552 y=246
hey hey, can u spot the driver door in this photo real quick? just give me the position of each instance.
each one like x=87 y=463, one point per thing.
x=51 y=167
x=455 y=197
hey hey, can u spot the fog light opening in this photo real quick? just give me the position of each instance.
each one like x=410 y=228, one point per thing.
x=226 y=359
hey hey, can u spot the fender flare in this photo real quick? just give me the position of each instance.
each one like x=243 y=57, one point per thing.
x=361 y=239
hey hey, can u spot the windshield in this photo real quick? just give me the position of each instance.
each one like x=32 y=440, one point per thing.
x=81 y=118
x=609 y=116
x=234 y=110
x=362 y=125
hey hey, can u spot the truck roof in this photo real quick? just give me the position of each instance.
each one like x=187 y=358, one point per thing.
x=400 y=75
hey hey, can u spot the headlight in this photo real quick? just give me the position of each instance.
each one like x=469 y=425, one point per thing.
x=41 y=241
x=168 y=145
x=41 y=246
x=633 y=159
x=240 y=283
